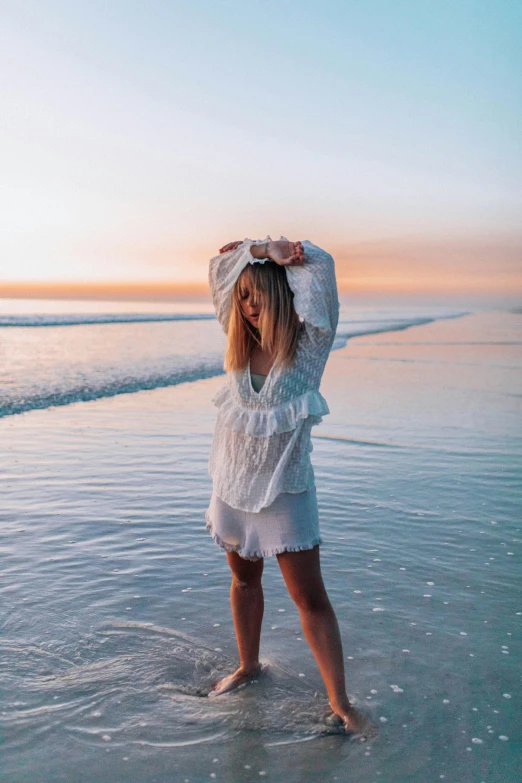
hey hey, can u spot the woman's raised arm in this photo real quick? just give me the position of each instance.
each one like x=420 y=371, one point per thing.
x=225 y=269
x=315 y=289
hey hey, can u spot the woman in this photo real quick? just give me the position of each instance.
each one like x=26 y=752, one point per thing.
x=264 y=499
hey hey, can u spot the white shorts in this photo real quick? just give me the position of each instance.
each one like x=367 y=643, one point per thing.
x=289 y=524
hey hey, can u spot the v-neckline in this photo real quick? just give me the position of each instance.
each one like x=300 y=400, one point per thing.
x=250 y=379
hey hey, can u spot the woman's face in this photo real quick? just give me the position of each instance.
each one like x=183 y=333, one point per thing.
x=250 y=306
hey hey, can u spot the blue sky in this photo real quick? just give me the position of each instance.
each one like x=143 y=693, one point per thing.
x=138 y=137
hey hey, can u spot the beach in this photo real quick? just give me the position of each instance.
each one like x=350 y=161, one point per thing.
x=115 y=599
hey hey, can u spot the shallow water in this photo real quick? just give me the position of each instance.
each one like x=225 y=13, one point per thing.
x=115 y=600
x=51 y=357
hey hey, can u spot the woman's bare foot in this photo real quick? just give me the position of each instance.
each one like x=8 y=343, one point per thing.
x=355 y=722
x=233 y=680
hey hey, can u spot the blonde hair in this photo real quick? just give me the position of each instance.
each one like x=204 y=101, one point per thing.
x=279 y=324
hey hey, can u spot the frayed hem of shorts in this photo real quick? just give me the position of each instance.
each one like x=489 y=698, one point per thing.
x=258 y=554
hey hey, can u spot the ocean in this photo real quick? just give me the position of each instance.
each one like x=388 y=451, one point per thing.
x=115 y=610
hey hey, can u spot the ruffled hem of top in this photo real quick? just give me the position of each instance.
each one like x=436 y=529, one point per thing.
x=263 y=423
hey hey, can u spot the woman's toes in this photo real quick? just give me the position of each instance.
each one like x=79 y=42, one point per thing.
x=356 y=723
x=332 y=719
x=359 y=726
x=232 y=681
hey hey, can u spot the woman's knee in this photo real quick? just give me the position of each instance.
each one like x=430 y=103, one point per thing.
x=245 y=573
x=310 y=600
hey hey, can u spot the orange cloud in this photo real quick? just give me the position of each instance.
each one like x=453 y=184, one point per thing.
x=402 y=264
x=130 y=291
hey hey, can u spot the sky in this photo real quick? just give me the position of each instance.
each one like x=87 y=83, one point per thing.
x=138 y=138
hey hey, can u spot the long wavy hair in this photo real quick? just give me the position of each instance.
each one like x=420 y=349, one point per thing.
x=279 y=325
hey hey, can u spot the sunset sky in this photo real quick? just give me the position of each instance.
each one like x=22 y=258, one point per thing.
x=137 y=138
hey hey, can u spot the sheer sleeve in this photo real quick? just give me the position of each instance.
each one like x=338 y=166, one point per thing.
x=223 y=272
x=315 y=290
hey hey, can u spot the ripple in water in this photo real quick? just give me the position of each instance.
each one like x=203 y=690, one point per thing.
x=134 y=683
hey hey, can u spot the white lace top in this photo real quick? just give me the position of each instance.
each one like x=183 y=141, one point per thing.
x=261 y=444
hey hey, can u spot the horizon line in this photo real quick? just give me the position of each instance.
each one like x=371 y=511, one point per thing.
x=457 y=285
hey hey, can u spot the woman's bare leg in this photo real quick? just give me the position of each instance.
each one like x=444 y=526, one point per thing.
x=302 y=574
x=247 y=603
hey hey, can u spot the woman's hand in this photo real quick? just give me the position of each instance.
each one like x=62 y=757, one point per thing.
x=230 y=246
x=281 y=252
x=286 y=253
